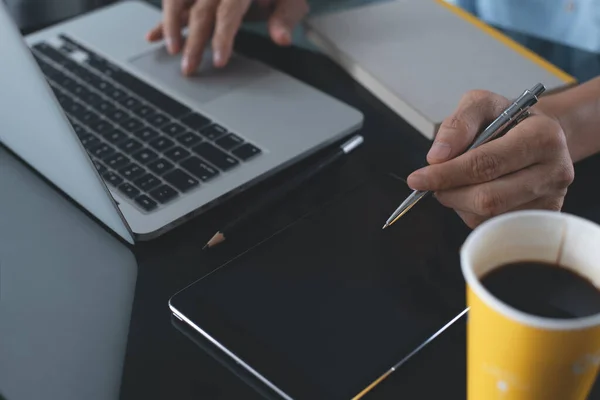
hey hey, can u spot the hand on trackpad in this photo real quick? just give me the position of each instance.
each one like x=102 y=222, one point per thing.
x=207 y=83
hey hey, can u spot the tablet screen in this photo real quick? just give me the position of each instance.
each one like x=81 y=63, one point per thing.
x=326 y=306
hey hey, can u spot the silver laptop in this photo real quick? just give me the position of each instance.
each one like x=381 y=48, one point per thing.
x=96 y=109
x=66 y=294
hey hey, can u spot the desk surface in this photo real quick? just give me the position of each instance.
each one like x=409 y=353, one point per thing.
x=161 y=362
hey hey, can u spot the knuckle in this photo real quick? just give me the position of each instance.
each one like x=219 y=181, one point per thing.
x=482 y=166
x=552 y=136
x=487 y=203
x=477 y=95
x=564 y=175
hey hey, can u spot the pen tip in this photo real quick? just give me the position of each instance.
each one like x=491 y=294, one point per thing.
x=385 y=226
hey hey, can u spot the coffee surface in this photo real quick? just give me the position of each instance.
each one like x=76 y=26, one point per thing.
x=542 y=289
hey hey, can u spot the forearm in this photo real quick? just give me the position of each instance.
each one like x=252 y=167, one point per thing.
x=578 y=112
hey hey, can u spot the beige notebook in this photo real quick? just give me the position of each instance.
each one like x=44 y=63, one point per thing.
x=420 y=56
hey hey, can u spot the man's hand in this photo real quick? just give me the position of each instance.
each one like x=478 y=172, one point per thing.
x=528 y=168
x=221 y=19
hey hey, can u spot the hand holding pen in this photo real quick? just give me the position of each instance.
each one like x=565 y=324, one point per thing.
x=527 y=167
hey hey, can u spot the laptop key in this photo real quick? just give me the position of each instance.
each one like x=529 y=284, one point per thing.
x=89 y=141
x=177 y=154
x=115 y=136
x=196 y=121
x=246 y=151
x=130 y=146
x=163 y=194
x=102 y=151
x=145 y=156
x=189 y=139
x=128 y=190
x=101 y=168
x=229 y=142
x=116 y=161
x=182 y=181
x=101 y=126
x=160 y=166
x=161 y=143
x=132 y=124
x=50 y=52
x=147 y=182
x=131 y=171
x=88 y=117
x=116 y=94
x=215 y=156
x=199 y=168
x=213 y=132
x=104 y=107
x=117 y=116
x=158 y=120
x=146 y=134
x=91 y=98
x=144 y=112
x=173 y=129
x=145 y=202
x=112 y=178
x=129 y=102
x=73 y=108
x=79 y=130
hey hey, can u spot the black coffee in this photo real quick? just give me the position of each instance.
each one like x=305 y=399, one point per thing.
x=542 y=289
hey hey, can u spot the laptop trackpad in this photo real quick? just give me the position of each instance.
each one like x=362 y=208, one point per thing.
x=208 y=83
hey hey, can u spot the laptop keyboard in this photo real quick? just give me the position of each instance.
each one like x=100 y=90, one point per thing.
x=148 y=146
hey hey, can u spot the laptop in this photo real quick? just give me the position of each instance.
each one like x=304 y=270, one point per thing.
x=97 y=110
x=66 y=294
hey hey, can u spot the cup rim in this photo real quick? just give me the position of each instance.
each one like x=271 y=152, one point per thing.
x=510 y=312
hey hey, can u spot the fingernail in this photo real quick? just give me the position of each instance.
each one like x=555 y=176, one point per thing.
x=283 y=34
x=417 y=181
x=185 y=63
x=439 y=151
x=170 y=44
x=218 y=58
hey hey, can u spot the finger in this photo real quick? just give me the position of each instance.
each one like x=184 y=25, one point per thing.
x=501 y=195
x=228 y=20
x=201 y=22
x=157 y=33
x=172 y=10
x=532 y=141
x=286 y=15
x=552 y=203
x=471 y=220
x=475 y=110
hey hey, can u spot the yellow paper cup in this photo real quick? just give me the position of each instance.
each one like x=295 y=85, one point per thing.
x=512 y=355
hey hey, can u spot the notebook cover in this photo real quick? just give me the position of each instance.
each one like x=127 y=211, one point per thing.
x=420 y=56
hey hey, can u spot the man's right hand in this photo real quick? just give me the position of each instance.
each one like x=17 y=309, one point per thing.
x=221 y=19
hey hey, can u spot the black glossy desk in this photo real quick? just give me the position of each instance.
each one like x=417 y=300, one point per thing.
x=162 y=363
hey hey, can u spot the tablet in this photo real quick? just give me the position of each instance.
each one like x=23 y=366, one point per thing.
x=327 y=306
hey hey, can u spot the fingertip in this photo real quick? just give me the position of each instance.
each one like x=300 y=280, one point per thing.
x=281 y=35
x=219 y=59
x=417 y=180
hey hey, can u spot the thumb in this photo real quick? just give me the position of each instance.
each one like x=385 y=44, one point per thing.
x=286 y=15
x=475 y=111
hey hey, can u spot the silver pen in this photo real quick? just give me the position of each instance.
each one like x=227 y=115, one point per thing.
x=515 y=113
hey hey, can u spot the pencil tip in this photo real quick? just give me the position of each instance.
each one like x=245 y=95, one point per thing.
x=385 y=226
x=205 y=246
